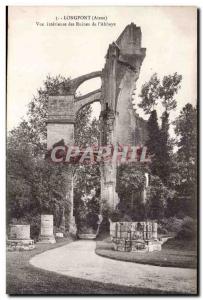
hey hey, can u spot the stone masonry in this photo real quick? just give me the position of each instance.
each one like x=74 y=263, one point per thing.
x=119 y=122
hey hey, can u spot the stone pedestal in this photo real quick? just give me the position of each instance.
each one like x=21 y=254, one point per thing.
x=68 y=175
x=154 y=230
x=47 y=230
x=20 y=232
x=19 y=238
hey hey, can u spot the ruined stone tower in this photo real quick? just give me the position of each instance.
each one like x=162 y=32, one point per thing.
x=123 y=61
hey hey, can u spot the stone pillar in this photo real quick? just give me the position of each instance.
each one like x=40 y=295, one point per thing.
x=121 y=71
x=154 y=230
x=145 y=188
x=60 y=126
x=68 y=174
x=108 y=169
x=47 y=230
x=109 y=196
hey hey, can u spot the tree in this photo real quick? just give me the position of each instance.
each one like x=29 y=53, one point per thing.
x=130 y=184
x=35 y=186
x=167 y=90
x=159 y=143
x=19 y=171
x=165 y=167
x=153 y=142
x=186 y=130
x=163 y=92
x=150 y=94
x=157 y=194
x=88 y=213
x=86 y=131
x=86 y=177
x=38 y=106
x=169 y=87
x=38 y=111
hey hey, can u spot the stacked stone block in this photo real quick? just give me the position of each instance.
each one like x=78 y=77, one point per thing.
x=19 y=238
x=135 y=236
x=47 y=230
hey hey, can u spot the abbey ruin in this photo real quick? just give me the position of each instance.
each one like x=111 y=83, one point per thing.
x=119 y=122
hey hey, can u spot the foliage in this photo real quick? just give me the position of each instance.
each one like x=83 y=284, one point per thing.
x=157 y=194
x=130 y=183
x=172 y=224
x=163 y=91
x=153 y=142
x=88 y=211
x=186 y=130
x=37 y=113
x=153 y=92
x=167 y=90
x=86 y=131
x=159 y=144
x=86 y=180
x=165 y=154
x=86 y=177
x=188 y=230
x=35 y=186
x=115 y=215
x=150 y=94
x=130 y=178
x=19 y=173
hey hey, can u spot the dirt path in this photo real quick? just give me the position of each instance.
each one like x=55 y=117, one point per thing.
x=79 y=260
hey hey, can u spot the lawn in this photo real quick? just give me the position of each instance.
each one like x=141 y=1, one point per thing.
x=24 y=279
x=175 y=253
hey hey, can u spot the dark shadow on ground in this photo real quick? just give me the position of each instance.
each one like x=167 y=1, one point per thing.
x=175 y=253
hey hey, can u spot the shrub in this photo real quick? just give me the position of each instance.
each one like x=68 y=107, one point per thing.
x=188 y=230
x=162 y=230
x=35 y=224
x=126 y=218
x=114 y=215
x=172 y=224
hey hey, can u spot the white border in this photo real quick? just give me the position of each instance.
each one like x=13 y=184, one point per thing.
x=198 y=3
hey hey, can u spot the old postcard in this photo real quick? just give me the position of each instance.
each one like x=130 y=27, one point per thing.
x=102 y=193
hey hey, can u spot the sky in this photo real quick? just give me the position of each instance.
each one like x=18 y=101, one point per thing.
x=168 y=34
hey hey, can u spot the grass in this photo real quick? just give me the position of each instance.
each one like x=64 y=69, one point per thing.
x=24 y=279
x=175 y=253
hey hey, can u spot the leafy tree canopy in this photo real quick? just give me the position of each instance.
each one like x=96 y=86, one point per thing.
x=160 y=91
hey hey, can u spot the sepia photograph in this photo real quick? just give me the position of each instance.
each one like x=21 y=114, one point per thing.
x=102 y=150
